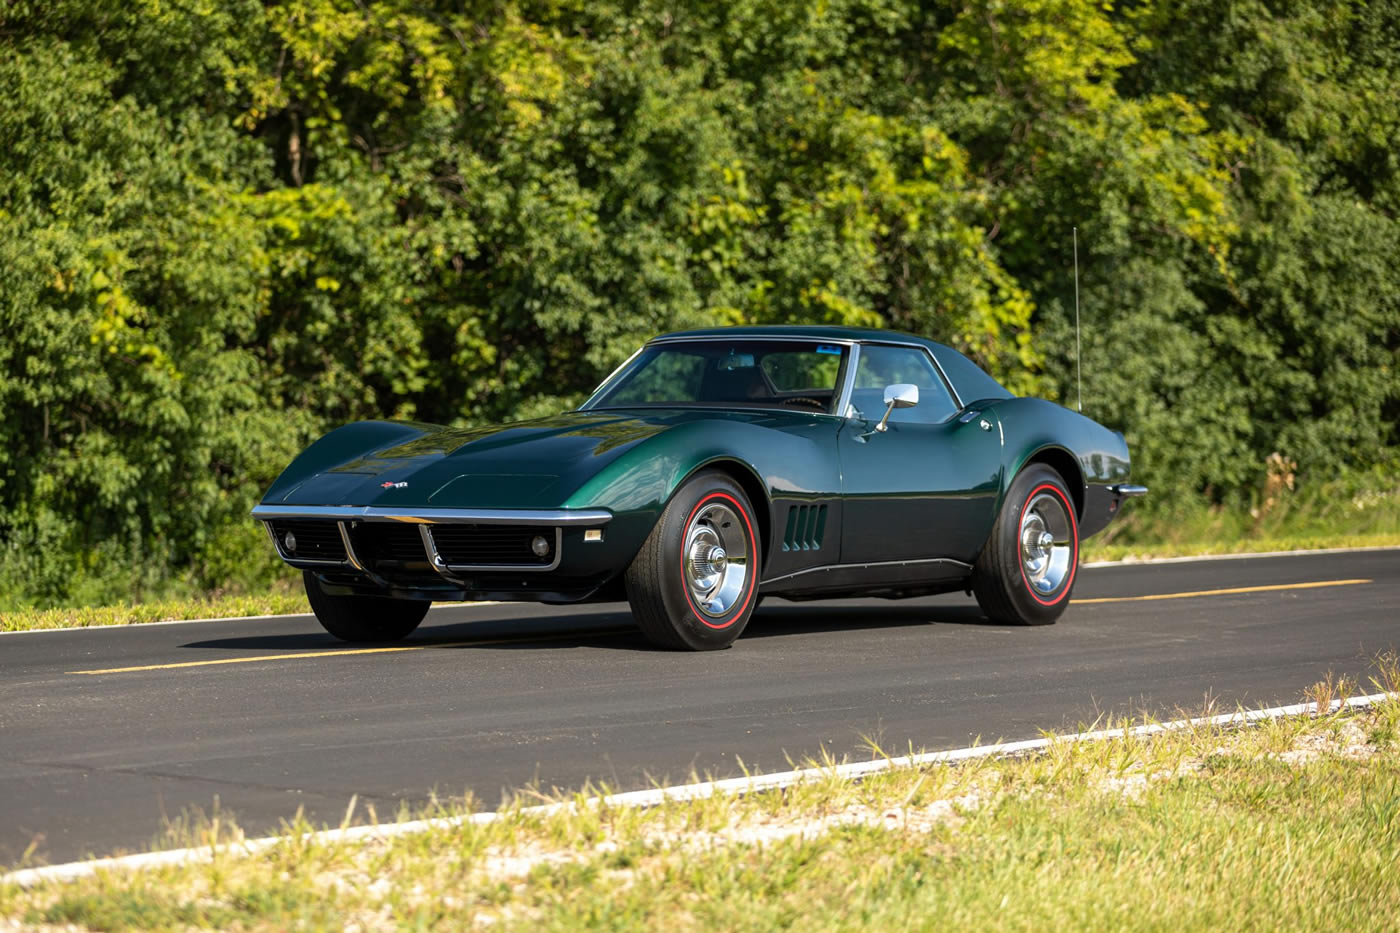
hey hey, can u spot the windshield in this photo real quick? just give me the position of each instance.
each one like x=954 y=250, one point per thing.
x=797 y=374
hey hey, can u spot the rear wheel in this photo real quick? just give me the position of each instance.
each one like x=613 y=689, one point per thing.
x=363 y=618
x=693 y=584
x=1025 y=573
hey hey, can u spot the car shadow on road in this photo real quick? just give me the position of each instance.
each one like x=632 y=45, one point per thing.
x=777 y=619
x=614 y=629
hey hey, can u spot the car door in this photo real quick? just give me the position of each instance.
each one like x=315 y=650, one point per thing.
x=925 y=487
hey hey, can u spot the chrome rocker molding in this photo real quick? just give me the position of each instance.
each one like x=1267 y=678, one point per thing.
x=374 y=513
x=827 y=568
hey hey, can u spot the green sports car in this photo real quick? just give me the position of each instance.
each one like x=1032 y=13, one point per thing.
x=713 y=468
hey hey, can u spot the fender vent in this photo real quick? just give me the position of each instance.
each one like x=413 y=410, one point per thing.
x=805 y=526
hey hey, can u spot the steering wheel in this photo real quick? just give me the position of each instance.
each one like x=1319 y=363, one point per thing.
x=804 y=400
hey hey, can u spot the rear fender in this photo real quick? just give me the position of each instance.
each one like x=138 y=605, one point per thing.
x=1038 y=431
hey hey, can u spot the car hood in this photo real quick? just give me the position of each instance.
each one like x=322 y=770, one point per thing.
x=530 y=464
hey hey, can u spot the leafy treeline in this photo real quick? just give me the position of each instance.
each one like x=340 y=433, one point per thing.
x=226 y=225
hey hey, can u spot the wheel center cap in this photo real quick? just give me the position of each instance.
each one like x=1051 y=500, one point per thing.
x=717 y=557
x=1046 y=540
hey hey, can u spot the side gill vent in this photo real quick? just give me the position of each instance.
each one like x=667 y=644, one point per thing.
x=805 y=526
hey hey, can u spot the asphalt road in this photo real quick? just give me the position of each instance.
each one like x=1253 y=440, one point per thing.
x=269 y=716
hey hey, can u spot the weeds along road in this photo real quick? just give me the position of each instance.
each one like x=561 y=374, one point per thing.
x=107 y=735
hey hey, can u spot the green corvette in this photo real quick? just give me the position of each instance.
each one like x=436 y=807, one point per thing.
x=713 y=468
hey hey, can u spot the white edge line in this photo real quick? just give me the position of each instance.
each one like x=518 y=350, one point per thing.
x=119 y=626
x=70 y=871
x=1249 y=555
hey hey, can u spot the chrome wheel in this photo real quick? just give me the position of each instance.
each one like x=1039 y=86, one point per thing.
x=716 y=558
x=1047 y=543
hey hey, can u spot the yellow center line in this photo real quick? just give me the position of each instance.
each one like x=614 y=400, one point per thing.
x=343 y=652
x=1225 y=592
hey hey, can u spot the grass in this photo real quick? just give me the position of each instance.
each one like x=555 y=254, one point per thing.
x=1292 y=823
x=1353 y=512
x=1186 y=545
x=276 y=601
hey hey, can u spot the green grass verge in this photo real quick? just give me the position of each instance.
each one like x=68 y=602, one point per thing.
x=274 y=602
x=1094 y=550
x=1356 y=512
x=1290 y=824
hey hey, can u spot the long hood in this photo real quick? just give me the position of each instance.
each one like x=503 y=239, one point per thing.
x=532 y=464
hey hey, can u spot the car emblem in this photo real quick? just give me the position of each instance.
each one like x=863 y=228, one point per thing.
x=392 y=485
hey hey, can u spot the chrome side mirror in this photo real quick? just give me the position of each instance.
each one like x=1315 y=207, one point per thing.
x=899 y=395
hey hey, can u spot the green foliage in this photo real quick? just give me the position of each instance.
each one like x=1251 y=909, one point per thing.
x=225 y=227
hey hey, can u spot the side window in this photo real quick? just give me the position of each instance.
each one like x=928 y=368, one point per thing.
x=882 y=366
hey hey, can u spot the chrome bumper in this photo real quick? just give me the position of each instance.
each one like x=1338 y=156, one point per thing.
x=345 y=517
x=425 y=516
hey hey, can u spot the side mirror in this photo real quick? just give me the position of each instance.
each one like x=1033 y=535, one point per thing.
x=899 y=395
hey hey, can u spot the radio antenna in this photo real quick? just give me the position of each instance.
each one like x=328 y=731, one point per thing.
x=1078 y=349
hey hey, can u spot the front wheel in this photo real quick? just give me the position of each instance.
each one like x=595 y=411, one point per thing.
x=693 y=584
x=363 y=618
x=1025 y=573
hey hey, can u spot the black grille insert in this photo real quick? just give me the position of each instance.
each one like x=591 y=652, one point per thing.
x=493 y=545
x=387 y=541
x=313 y=540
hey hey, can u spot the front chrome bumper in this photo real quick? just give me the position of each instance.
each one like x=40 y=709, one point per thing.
x=345 y=518
x=373 y=513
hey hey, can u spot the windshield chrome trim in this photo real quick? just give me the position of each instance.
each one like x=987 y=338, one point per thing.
x=611 y=376
x=848 y=384
x=735 y=338
x=371 y=513
x=717 y=406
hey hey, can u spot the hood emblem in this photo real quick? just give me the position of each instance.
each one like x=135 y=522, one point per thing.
x=393 y=485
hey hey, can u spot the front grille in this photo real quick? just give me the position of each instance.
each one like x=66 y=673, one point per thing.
x=492 y=545
x=381 y=541
x=806 y=526
x=314 y=540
